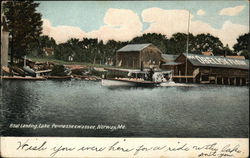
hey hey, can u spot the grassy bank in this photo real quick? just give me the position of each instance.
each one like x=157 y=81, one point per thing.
x=61 y=62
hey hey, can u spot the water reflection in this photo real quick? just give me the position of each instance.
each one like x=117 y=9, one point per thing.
x=203 y=111
x=19 y=100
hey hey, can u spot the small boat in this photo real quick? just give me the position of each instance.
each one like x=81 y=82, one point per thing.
x=139 y=78
x=29 y=71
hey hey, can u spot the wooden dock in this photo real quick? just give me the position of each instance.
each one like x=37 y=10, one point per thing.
x=58 y=77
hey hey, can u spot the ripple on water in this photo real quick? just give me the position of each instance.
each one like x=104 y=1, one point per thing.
x=202 y=111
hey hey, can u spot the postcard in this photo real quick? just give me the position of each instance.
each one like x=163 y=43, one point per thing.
x=124 y=79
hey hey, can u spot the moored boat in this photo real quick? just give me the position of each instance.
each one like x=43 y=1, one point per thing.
x=141 y=79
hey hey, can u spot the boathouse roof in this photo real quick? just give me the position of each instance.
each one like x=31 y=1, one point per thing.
x=172 y=63
x=134 y=47
x=169 y=57
x=217 y=61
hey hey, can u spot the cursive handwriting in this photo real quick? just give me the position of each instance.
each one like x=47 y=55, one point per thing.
x=229 y=149
x=60 y=149
x=212 y=147
x=26 y=147
x=116 y=147
x=121 y=146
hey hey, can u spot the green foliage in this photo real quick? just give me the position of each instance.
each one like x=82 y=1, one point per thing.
x=243 y=45
x=93 y=51
x=88 y=50
x=24 y=23
x=245 y=53
x=226 y=51
x=159 y=40
x=177 y=44
x=37 y=48
x=97 y=52
x=207 y=42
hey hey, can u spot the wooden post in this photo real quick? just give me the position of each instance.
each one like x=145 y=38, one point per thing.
x=222 y=80
x=179 y=75
x=235 y=81
x=228 y=79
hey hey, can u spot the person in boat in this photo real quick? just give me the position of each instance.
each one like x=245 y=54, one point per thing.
x=166 y=76
x=150 y=74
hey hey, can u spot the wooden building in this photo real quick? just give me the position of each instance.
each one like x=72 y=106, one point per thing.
x=168 y=62
x=207 y=53
x=48 y=51
x=212 y=69
x=137 y=55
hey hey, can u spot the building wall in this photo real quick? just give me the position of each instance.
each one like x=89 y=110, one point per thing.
x=224 y=72
x=149 y=56
x=182 y=67
x=4 y=47
x=128 y=59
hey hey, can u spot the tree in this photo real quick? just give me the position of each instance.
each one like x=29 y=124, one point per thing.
x=91 y=50
x=207 y=42
x=243 y=45
x=110 y=49
x=25 y=25
x=158 y=40
x=177 y=44
x=36 y=48
x=46 y=41
x=245 y=53
x=226 y=51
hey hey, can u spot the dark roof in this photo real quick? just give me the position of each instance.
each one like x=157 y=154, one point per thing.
x=133 y=47
x=169 y=57
x=217 y=61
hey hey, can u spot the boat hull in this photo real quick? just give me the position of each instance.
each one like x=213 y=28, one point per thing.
x=112 y=82
x=128 y=83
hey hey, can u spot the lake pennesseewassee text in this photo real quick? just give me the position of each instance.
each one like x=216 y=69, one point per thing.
x=77 y=108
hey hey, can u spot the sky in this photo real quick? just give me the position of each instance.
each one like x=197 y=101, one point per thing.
x=124 y=20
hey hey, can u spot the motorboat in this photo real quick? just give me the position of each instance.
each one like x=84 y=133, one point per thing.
x=140 y=78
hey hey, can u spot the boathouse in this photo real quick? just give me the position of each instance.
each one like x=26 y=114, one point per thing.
x=212 y=69
x=139 y=55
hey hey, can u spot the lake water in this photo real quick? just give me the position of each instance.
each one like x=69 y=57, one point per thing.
x=202 y=111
